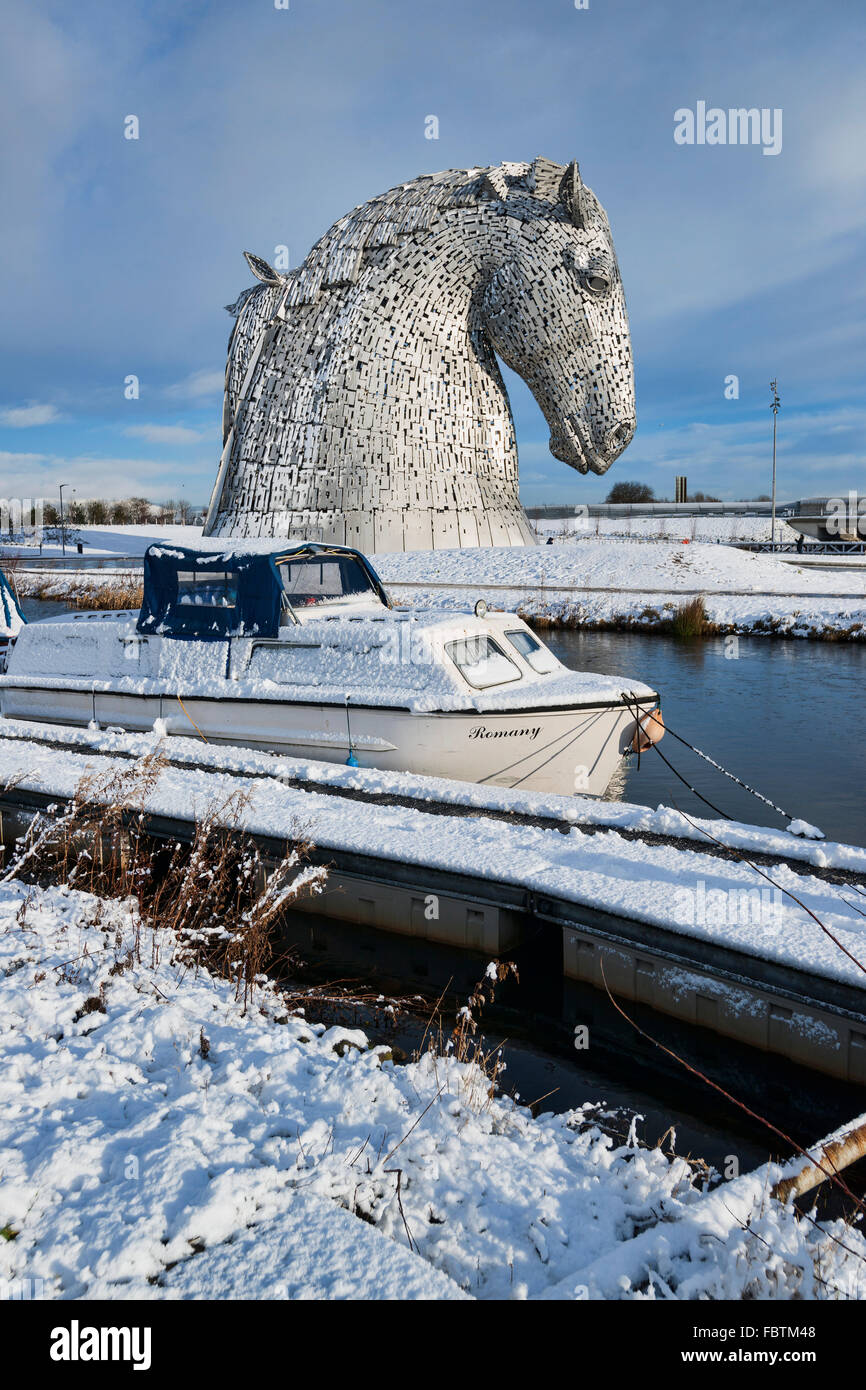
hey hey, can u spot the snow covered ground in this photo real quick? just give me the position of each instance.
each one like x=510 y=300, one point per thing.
x=620 y=573
x=104 y=541
x=594 y=581
x=158 y=1141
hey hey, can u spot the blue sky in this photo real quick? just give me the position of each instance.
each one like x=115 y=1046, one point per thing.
x=259 y=127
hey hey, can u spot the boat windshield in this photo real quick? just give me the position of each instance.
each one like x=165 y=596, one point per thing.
x=482 y=662
x=538 y=657
x=330 y=578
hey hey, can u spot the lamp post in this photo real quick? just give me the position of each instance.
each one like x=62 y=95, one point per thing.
x=62 y=527
x=775 y=407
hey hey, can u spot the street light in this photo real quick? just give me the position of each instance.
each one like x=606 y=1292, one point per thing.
x=62 y=527
x=775 y=407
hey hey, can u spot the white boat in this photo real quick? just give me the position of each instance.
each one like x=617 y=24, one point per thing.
x=11 y=619
x=297 y=649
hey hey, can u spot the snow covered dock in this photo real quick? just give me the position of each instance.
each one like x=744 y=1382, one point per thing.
x=674 y=919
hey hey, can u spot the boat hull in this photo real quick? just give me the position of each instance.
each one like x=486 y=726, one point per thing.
x=575 y=749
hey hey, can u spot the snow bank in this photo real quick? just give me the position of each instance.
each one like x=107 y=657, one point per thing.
x=653 y=567
x=594 y=582
x=598 y=579
x=157 y=1141
x=583 y=810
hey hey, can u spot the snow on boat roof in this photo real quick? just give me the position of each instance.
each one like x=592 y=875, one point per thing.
x=229 y=547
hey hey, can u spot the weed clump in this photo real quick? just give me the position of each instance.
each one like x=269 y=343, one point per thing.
x=690 y=619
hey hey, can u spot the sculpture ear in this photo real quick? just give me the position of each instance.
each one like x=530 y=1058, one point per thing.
x=544 y=178
x=262 y=270
x=494 y=184
x=573 y=194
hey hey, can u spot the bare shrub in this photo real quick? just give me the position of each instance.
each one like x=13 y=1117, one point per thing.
x=463 y=1043
x=216 y=894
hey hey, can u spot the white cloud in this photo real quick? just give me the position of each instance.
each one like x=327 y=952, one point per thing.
x=198 y=384
x=23 y=417
x=38 y=475
x=10 y=461
x=729 y=459
x=164 y=434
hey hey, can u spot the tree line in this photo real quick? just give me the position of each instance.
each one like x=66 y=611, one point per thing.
x=128 y=511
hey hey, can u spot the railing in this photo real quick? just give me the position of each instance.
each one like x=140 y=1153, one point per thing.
x=35 y=561
x=792 y=547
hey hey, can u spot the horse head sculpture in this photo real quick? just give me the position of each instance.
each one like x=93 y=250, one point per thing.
x=364 y=403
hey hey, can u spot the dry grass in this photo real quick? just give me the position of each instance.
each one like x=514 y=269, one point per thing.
x=463 y=1043
x=216 y=895
x=690 y=620
x=12 y=568
x=120 y=593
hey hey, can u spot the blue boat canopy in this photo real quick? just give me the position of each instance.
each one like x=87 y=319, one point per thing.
x=242 y=590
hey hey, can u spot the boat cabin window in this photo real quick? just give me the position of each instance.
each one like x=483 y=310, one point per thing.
x=314 y=579
x=532 y=651
x=207 y=588
x=482 y=662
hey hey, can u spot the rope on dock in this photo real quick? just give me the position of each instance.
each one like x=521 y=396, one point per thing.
x=190 y=718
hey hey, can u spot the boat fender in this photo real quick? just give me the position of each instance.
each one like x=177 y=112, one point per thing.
x=649 y=729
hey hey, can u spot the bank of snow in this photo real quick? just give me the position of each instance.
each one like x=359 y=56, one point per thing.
x=158 y=1141
x=637 y=582
x=653 y=883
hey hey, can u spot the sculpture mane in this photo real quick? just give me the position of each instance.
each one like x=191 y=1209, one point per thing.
x=364 y=402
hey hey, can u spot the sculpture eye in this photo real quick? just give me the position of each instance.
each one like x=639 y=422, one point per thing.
x=597 y=282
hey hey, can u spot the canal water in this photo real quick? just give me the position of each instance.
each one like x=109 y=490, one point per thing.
x=35 y=609
x=785 y=716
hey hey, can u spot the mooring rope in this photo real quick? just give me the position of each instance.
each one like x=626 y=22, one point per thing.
x=707 y=759
x=190 y=718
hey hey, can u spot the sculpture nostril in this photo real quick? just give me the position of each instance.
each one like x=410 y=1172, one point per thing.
x=620 y=435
